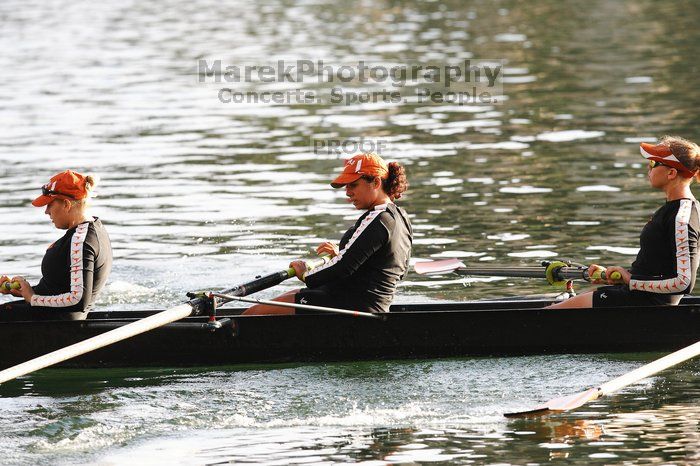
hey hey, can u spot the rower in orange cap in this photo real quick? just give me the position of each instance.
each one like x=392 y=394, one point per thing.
x=75 y=267
x=372 y=256
x=667 y=262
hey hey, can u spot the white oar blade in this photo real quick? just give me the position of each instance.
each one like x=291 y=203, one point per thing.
x=562 y=403
x=566 y=403
x=96 y=342
x=437 y=267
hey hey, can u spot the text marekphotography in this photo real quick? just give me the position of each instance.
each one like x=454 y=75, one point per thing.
x=309 y=82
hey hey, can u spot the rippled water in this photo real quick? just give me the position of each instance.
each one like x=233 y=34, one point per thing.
x=200 y=194
x=378 y=412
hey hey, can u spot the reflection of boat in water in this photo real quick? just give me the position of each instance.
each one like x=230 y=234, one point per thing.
x=558 y=436
x=559 y=431
x=499 y=327
x=670 y=430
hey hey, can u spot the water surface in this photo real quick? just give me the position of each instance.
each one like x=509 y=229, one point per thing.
x=200 y=194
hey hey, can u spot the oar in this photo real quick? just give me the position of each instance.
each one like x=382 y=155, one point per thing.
x=296 y=306
x=566 y=403
x=193 y=307
x=555 y=272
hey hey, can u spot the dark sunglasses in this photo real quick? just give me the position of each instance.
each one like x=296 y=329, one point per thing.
x=655 y=163
x=47 y=192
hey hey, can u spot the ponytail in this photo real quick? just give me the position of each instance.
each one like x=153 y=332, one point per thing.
x=396 y=183
x=90 y=183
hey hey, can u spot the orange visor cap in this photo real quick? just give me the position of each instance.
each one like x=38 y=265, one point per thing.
x=662 y=153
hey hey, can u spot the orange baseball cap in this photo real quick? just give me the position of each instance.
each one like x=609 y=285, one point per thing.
x=64 y=185
x=360 y=165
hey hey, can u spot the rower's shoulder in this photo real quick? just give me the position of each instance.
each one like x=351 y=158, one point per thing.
x=393 y=214
x=96 y=236
x=685 y=209
x=397 y=213
x=675 y=205
x=392 y=209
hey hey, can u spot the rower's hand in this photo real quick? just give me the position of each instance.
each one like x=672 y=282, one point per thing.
x=25 y=289
x=4 y=279
x=593 y=269
x=327 y=248
x=625 y=275
x=300 y=268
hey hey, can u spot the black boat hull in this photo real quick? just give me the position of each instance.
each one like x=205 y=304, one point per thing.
x=410 y=331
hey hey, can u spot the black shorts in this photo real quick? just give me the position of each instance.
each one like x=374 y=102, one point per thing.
x=621 y=295
x=322 y=296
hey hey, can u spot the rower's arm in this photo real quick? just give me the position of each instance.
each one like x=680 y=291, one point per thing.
x=365 y=241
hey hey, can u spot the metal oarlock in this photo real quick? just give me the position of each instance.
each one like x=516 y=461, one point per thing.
x=212 y=324
x=208 y=304
x=570 y=288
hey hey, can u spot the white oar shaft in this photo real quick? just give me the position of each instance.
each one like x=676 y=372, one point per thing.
x=650 y=369
x=96 y=342
x=297 y=306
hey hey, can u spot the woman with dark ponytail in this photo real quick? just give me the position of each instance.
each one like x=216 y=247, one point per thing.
x=372 y=256
x=667 y=262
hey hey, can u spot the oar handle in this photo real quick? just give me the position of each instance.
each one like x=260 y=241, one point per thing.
x=11 y=285
x=313 y=263
x=601 y=274
x=310 y=264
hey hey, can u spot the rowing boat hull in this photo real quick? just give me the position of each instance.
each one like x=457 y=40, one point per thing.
x=410 y=331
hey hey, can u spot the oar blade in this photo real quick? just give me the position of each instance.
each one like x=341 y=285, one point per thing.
x=438 y=267
x=559 y=404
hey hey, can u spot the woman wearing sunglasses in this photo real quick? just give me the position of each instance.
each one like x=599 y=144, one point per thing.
x=667 y=262
x=75 y=267
x=372 y=256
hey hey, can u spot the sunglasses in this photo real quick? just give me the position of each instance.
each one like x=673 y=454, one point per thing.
x=47 y=192
x=655 y=163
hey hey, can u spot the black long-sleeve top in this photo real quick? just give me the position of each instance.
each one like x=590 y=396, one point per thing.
x=373 y=257
x=74 y=269
x=667 y=261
